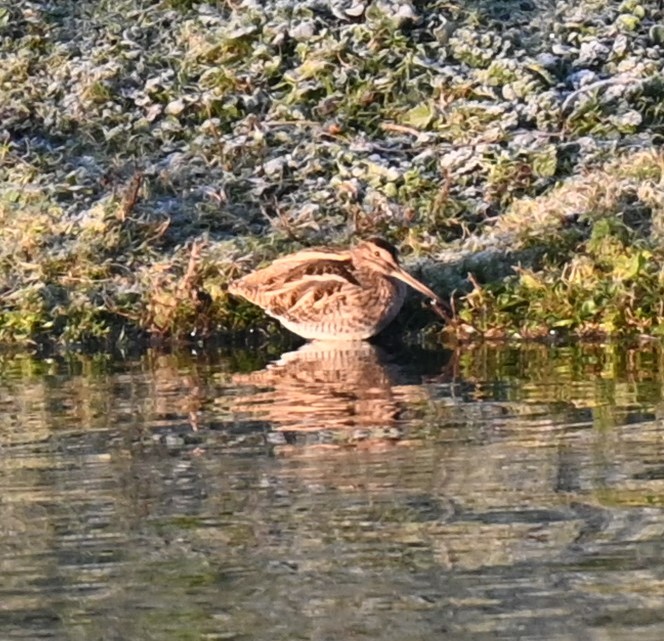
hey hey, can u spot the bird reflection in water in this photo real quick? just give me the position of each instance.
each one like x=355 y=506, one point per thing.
x=331 y=392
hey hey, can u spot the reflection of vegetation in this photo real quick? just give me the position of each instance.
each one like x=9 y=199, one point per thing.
x=83 y=390
x=591 y=374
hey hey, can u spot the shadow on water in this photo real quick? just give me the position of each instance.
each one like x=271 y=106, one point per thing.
x=332 y=493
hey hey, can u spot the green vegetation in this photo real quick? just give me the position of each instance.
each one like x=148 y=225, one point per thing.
x=598 y=265
x=151 y=151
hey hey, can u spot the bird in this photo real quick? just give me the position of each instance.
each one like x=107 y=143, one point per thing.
x=326 y=294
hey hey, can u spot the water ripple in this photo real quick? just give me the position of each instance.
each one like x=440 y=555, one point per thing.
x=353 y=493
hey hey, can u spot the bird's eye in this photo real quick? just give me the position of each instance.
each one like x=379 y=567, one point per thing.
x=377 y=253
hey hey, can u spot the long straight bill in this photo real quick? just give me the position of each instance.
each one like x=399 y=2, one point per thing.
x=405 y=277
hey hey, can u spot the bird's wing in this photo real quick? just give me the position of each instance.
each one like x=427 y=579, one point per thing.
x=306 y=286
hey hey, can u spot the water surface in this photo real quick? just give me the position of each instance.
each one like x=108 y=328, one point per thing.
x=350 y=493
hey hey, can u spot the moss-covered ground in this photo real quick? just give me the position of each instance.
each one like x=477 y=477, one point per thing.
x=152 y=150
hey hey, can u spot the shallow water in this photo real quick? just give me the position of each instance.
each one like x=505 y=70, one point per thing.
x=352 y=493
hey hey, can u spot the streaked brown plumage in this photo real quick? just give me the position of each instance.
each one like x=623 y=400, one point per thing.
x=333 y=295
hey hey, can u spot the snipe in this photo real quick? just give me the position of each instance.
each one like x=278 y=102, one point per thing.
x=333 y=295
